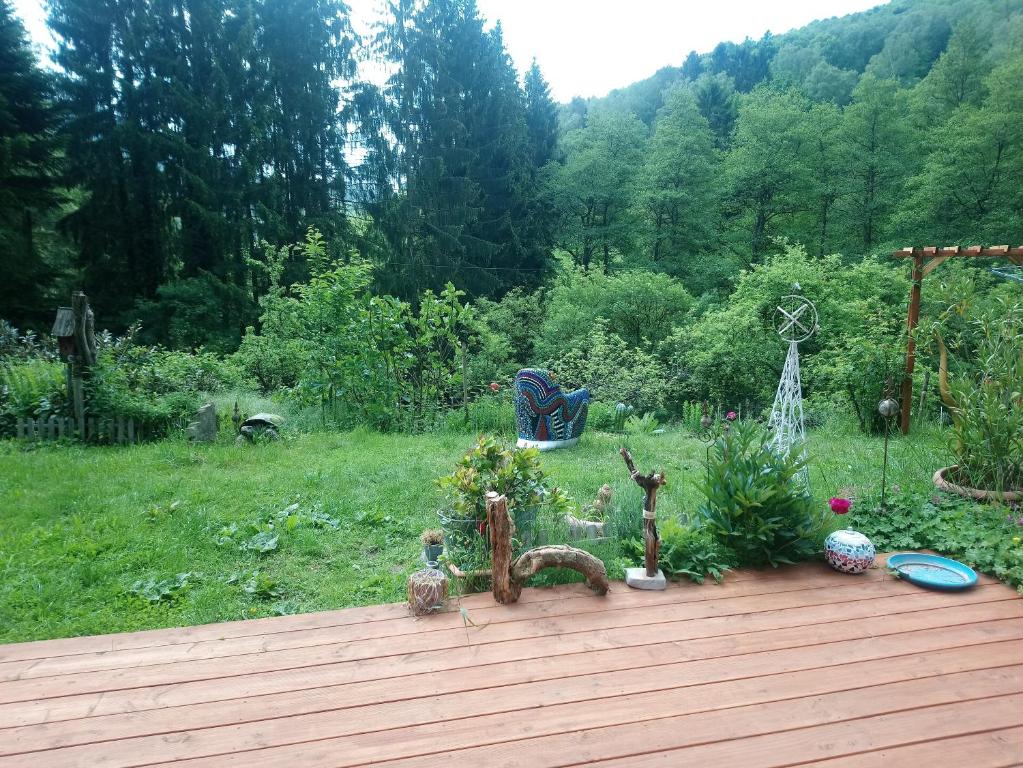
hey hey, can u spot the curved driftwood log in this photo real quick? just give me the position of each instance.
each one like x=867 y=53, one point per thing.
x=561 y=556
x=508 y=577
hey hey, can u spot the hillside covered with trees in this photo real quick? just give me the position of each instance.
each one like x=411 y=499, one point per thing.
x=176 y=145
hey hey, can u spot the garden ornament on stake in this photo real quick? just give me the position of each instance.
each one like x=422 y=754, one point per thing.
x=889 y=409
x=795 y=321
x=650 y=576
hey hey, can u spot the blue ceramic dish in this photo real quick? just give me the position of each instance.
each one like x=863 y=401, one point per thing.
x=933 y=571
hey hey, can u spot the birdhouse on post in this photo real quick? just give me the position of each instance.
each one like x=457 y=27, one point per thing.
x=64 y=332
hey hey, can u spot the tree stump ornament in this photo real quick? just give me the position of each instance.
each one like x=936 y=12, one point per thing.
x=508 y=576
x=795 y=321
x=650 y=576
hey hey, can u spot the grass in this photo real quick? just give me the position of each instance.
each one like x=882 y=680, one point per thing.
x=83 y=526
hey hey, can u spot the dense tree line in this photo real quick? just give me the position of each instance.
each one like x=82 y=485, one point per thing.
x=179 y=144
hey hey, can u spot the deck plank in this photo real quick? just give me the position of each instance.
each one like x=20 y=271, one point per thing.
x=810 y=590
x=770 y=668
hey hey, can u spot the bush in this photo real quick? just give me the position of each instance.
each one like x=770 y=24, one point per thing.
x=755 y=504
x=639 y=307
x=685 y=551
x=732 y=354
x=614 y=372
x=514 y=473
x=987 y=420
x=31 y=389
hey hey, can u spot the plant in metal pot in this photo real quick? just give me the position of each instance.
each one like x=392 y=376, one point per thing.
x=433 y=544
x=514 y=473
x=754 y=500
x=985 y=397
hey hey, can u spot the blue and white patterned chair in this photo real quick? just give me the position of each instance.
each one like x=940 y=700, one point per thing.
x=547 y=418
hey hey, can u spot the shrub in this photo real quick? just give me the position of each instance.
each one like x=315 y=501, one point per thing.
x=731 y=353
x=514 y=473
x=32 y=389
x=639 y=307
x=612 y=371
x=600 y=416
x=755 y=504
x=685 y=551
x=987 y=420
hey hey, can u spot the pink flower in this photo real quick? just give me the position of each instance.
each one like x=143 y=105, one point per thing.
x=730 y=416
x=839 y=506
x=494 y=386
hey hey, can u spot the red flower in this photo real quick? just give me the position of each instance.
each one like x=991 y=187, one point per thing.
x=730 y=415
x=494 y=386
x=839 y=506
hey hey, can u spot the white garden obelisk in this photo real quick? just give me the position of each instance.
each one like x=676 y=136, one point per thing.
x=795 y=321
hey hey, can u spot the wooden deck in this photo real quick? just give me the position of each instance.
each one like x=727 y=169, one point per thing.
x=798 y=666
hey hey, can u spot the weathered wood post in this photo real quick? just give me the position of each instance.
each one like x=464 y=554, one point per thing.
x=501 y=529
x=85 y=354
x=649 y=577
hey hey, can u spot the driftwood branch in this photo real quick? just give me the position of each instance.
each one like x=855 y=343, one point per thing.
x=649 y=483
x=508 y=577
x=561 y=556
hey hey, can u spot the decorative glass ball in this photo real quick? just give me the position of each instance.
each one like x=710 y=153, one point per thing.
x=888 y=407
x=849 y=551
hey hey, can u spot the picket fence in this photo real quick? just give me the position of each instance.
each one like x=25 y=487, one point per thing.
x=117 y=430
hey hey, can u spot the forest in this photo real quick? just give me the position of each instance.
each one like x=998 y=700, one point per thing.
x=215 y=174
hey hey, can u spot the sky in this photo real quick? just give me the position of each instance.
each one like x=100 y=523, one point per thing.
x=589 y=47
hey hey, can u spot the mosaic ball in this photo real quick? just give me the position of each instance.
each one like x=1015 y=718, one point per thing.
x=849 y=551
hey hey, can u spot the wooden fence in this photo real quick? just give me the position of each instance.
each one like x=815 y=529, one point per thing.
x=93 y=429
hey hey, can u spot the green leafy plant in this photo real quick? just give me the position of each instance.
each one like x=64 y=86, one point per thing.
x=642 y=425
x=988 y=537
x=754 y=503
x=164 y=590
x=514 y=473
x=986 y=398
x=685 y=551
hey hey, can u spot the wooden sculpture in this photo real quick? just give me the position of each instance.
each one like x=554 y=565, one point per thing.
x=651 y=541
x=508 y=576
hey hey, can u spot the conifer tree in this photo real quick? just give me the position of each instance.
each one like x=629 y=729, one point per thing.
x=28 y=165
x=541 y=116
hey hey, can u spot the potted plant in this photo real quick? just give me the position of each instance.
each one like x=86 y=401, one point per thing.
x=433 y=545
x=986 y=404
x=514 y=473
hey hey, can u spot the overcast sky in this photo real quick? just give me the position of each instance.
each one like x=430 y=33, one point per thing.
x=589 y=47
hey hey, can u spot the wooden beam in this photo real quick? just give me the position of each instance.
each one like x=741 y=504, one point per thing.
x=972 y=251
x=934 y=262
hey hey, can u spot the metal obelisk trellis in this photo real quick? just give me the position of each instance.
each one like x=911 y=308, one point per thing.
x=795 y=321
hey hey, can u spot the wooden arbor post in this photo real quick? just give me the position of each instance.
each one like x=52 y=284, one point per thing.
x=925 y=260
x=649 y=483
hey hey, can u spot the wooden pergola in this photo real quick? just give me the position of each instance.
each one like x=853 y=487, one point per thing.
x=925 y=260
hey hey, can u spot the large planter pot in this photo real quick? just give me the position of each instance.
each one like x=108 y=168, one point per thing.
x=942 y=483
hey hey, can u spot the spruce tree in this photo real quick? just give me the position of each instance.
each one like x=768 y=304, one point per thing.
x=28 y=164
x=455 y=198
x=541 y=116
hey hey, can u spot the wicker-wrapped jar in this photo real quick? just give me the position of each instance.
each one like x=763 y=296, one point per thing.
x=427 y=590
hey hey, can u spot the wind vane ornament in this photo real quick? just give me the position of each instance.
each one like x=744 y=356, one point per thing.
x=795 y=320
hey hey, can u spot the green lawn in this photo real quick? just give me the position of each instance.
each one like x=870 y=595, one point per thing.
x=81 y=526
